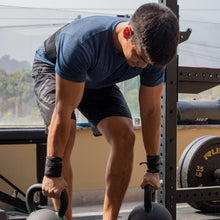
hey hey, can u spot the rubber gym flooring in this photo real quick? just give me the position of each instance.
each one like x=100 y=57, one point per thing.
x=184 y=212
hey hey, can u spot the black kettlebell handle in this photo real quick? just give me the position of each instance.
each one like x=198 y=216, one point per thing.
x=148 y=198
x=38 y=188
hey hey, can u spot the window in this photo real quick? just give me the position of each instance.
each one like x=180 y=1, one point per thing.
x=202 y=49
x=22 y=31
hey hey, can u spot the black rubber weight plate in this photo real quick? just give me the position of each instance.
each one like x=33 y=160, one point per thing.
x=182 y=158
x=197 y=169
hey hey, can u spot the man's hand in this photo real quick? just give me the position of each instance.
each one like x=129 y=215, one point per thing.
x=53 y=186
x=152 y=179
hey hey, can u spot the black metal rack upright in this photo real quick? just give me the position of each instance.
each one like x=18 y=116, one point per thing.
x=180 y=79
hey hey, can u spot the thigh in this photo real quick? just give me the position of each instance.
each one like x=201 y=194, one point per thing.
x=44 y=82
x=99 y=104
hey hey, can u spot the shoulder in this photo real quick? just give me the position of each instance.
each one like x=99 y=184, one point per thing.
x=152 y=75
x=154 y=69
x=86 y=35
x=87 y=27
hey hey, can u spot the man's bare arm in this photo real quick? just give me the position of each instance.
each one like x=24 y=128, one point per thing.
x=68 y=97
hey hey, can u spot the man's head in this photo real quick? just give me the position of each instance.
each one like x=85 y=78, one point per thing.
x=155 y=30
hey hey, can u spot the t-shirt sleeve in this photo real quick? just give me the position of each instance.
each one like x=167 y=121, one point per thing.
x=72 y=58
x=152 y=76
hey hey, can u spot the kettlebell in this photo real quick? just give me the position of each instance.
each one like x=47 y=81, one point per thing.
x=44 y=214
x=149 y=210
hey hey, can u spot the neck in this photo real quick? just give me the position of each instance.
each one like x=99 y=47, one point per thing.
x=118 y=37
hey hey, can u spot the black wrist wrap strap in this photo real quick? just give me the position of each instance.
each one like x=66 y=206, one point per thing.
x=53 y=167
x=153 y=164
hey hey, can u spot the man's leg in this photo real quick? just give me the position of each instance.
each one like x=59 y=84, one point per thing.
x=67 y=171
x=119 y=133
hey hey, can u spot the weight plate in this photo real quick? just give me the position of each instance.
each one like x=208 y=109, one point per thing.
x=200 y=162
x=181 y=176
x=182 y=158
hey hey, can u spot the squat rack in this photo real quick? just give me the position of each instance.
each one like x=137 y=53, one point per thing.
x=180 y=79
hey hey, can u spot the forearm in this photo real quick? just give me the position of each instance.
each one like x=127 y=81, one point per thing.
x=68 y=97
x=151 y=130
x=150 y=111
x=58 y=134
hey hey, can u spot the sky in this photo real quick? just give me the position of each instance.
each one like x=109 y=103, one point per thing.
x=203 y=16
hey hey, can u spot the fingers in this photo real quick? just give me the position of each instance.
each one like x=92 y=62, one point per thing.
x=52 y=193
x=155 y=186
x=152 y=179
x=53 y=187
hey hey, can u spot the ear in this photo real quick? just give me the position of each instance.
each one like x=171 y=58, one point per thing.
x=127 y=32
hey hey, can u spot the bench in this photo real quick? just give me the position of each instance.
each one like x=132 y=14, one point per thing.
x=24 y=136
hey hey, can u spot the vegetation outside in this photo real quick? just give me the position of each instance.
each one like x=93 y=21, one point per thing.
x=18 y=103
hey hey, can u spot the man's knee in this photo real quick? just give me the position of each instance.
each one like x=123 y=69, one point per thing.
x=124 y=142
x=119 y=132
x=128 y=136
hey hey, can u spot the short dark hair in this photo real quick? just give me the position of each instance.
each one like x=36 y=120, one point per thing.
x=156 y=32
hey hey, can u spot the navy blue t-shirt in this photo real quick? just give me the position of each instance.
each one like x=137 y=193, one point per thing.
x=85 y=52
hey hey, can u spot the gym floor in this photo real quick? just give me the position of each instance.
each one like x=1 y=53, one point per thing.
x=184 y=212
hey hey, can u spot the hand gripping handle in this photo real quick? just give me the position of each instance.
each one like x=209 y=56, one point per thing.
x=38 y=188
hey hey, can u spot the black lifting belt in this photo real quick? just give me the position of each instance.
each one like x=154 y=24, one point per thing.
x=50 y=46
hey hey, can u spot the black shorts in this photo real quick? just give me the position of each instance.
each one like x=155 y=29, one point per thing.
x=95 y=105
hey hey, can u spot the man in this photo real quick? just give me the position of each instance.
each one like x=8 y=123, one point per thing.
x=78 y=67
